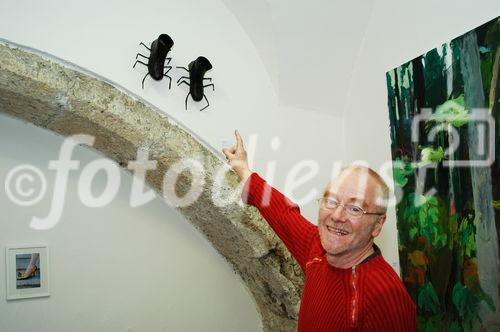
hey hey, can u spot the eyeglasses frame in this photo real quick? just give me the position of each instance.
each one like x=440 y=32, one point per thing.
x=346 y=211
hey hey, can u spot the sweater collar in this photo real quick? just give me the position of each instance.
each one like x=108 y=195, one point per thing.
x=376 y=252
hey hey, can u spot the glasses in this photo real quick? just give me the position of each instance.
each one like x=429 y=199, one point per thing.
x=329 y=203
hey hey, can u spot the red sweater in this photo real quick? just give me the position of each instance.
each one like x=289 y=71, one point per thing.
x=366 y=297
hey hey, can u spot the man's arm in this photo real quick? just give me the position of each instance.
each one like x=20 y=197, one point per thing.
x=282 y=215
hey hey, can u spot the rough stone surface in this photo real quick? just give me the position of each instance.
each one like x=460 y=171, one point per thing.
x=53 y=95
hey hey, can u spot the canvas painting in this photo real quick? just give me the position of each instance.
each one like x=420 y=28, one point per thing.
x=444 y=127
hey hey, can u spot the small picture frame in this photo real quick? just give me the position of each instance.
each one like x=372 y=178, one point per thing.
x=27 y=271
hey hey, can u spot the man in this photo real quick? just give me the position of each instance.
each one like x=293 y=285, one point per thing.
x=348 y=285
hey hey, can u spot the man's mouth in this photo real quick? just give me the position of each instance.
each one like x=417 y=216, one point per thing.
x=337 y=231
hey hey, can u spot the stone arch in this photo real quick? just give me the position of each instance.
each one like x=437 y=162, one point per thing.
x=65 y=99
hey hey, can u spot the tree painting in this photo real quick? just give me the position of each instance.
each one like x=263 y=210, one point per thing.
x=444 y=125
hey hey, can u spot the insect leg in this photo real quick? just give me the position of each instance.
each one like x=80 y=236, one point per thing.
x=208 y=104
x=144 y=79
x=186 y=101
x=208 y=78
x=169 y=59
x=211 y=84
x=145 y=57
x=183 y=68
x=169 y=78
x=181 y=78
x=139 y=62
x=141 y=43
x=184 y=83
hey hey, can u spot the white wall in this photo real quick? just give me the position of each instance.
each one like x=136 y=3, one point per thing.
x=103 y=37
x=115 y=268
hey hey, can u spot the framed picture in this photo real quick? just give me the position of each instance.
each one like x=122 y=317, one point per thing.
x=27 y=271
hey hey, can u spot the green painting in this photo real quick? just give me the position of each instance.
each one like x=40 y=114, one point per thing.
x=444 y=127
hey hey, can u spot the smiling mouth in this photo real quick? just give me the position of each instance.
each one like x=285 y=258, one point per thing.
x=337 y=231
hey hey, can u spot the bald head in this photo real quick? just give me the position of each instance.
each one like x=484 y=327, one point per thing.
x=368 y=184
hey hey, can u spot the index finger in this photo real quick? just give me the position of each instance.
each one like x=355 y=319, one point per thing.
x=239 y=140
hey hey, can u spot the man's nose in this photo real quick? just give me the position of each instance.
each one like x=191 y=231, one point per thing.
x=339 y=213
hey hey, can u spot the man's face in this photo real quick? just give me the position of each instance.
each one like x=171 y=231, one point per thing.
x=340 y=233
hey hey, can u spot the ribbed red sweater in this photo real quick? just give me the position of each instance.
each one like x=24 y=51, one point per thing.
x=366 y=297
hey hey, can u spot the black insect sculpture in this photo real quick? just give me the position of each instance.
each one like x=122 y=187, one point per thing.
x=156 y=60
x=197 y=70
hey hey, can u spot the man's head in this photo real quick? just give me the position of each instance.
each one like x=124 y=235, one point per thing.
x=352 y=211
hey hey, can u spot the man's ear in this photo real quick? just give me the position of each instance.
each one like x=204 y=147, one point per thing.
x=377 y=227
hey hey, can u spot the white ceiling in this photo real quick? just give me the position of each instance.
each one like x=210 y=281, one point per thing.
x=307 y=47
